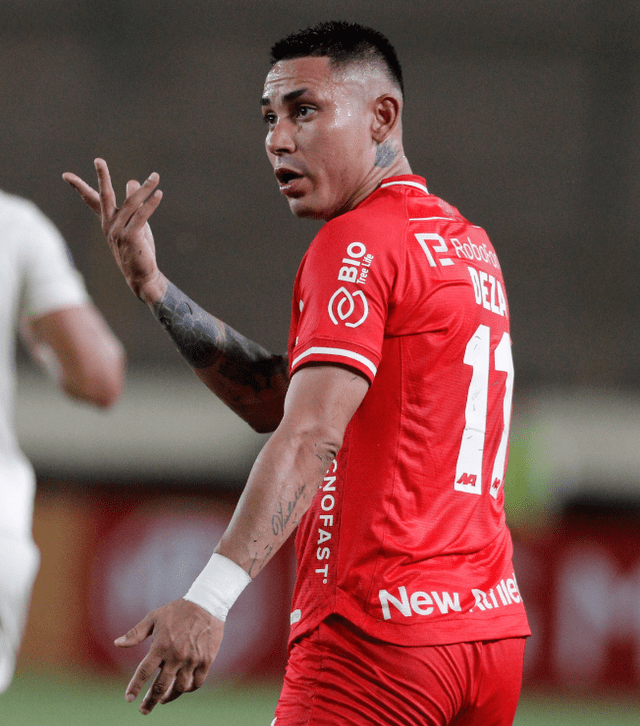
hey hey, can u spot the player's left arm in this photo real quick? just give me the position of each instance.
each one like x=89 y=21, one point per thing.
x=320 y=402
x=249 y=379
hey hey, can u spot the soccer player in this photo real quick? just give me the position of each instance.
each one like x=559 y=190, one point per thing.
x=390 y=416
x=47 y=304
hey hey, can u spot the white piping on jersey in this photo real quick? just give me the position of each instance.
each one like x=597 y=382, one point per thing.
x=405 y=183
x=447 y=219
x=337 y=351
x=425 y=219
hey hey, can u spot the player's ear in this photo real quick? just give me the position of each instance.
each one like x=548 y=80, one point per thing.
x=386 y=115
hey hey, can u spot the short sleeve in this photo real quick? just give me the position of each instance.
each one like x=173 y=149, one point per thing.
x=51 y=281
x=343 y=294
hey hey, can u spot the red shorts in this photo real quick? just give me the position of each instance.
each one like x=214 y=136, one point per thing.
x=338 y=676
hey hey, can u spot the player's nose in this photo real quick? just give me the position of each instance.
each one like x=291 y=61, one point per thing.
x=280 y=139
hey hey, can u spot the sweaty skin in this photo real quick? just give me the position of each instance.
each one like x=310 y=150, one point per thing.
x=326 y=126
x=333 y=135
x=386 y=154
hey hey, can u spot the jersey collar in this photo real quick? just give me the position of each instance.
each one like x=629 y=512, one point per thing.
x=407 y=180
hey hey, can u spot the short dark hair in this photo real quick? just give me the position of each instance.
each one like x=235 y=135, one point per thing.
x=343 y=43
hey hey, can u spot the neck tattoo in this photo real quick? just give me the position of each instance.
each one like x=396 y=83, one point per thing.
x=385 y=154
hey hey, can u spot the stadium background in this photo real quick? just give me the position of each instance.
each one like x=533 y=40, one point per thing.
x=526 y=116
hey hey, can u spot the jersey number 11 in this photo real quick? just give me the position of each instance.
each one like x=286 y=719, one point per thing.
x=471 y=454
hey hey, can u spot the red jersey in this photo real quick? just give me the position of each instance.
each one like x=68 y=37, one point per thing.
x=407 y=537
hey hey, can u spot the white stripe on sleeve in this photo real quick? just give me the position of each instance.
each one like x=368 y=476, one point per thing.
x=339 y=352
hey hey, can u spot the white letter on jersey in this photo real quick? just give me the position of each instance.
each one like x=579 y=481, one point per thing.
x=476 y=284
x=447 y=602
x=348 y=274
x=402 y=605
x=488 y=291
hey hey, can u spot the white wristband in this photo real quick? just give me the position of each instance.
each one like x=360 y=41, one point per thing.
x=218 y=586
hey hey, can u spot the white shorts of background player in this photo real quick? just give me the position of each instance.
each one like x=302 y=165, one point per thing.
x=19 y=563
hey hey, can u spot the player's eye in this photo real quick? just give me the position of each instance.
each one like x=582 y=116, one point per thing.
x=269 y=118
x=304 y=111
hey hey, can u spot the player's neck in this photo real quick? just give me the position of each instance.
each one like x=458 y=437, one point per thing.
x=399 y=166
x=389 y=162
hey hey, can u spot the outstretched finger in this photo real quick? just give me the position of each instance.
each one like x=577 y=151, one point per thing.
x=107 y=195
x=89 y=195
x=142 y=214
x=160 y=688
x=132 y=186
x=145 y=671
x=138 y=193
x=140 y=203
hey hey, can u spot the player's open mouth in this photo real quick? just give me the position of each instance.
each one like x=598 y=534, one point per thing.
x=288 y=179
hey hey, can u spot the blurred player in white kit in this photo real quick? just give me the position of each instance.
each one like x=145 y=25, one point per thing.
x=46 y=303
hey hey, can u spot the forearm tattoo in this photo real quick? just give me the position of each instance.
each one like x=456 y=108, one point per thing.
x=204 y=341
x=279 y=522
x=282 y=517
x=386 y=153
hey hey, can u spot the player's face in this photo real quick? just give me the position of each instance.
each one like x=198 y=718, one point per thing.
x=318 y=140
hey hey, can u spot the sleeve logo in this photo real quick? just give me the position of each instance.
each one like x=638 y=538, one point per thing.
x=356 y=265
x=345 y=306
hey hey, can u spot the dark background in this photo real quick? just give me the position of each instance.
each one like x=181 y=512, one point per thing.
x=524 y=115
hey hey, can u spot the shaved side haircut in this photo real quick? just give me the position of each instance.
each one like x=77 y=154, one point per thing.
x=343 y=43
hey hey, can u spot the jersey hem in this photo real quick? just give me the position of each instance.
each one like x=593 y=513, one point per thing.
x=444 y=632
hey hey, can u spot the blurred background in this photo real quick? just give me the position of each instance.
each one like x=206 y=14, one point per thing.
x=524 y=115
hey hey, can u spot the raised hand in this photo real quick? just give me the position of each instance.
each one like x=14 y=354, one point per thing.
x=186 y=640
x=127 y=227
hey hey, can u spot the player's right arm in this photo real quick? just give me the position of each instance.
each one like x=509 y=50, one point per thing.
x=286 y=477
x=76 y=348
x=249 y=379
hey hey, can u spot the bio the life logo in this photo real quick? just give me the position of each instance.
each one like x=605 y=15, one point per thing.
x=352 y=309
x=356 y=265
